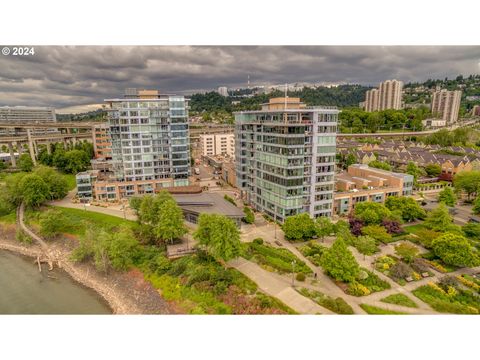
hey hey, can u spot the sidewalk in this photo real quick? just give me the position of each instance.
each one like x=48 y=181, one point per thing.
x=277 y=288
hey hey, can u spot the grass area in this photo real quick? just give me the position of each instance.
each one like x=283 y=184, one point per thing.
x=9 y=218
x=78 y=220
x=449 y=299
x=274 y=259
x=373 y=310
x=337 y=305
x=70 y=178
x=399 y=299
x=199 y=285
x=413 y=229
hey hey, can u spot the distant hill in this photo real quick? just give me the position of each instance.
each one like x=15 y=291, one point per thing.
x=96 y=115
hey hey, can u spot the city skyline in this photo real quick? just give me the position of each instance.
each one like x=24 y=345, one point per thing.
x=78 y=77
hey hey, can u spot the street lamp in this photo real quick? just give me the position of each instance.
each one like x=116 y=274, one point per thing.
x=293 y=272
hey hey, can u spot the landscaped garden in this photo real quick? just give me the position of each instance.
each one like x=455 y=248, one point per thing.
x=197 y=284
x=449 y=295
x=337 y=305
x=313 y=251
x=274 y=259
x=374 y=310
x=399 y=299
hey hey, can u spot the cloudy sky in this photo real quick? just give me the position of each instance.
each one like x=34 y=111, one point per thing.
x=77 y=77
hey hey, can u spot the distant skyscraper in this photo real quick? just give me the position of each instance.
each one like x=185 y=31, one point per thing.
x=446 y=104
x=223 y=90
x=387 y=96
x=285 y=158
x=371 y=100
x=27 y=114
x=149 y=135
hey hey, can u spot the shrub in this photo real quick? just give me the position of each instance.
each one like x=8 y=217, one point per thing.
x=258 y=241
x=22 y=237
x=300 y=277
x=357 y=289
x=399 y=299
x=230 y=199
x=249 y=217
x=406 y=251
x=420 y=265
x=426 y=237
x=400 y=271
x=379 y=233
x=337 y=305
x=392 y=226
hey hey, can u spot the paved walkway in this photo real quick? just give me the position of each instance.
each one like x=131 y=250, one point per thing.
x=66 y=202
x=274 y=285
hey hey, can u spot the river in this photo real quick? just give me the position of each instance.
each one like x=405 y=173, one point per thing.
x=24 y=290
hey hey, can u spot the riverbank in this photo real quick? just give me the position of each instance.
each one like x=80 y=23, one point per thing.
x=125 y=293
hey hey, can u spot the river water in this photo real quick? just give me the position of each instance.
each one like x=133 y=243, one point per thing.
x=24 y=290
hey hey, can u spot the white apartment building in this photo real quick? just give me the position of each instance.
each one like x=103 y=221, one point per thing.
x=223 y=90
x=27 y=114
x=149 y=134
x=387 y=96
x=218 y=144
x=446 y=105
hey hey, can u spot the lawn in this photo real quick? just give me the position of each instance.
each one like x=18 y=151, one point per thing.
x=337 y=305
x=449 y=299
x=274 y=259
x=71 y=181
x=197 y=284
x=373 y=310
x=399 y=299
x=413 y=229
x=78 y=220
x=9 y=218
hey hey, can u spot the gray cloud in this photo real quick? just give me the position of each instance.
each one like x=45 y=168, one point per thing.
x=77 y=75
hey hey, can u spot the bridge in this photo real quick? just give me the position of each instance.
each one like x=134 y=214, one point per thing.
x=32 y=134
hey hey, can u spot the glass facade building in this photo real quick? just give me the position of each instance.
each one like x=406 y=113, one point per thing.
x=285 y=159
x=149 y=134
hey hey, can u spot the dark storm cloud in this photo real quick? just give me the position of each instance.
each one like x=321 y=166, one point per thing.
x=67 y=76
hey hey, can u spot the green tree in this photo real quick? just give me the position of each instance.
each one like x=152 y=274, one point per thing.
x=25 y=163
x=323 y=227
x=472 y=230
x=57 y=184
x=439 y=219
x=377 y=232
x=298 y=227
x=34 y=191
x=447 y=196
x=122 y=248
x=414 y=170
x=75 y=161
x=380 y=165
x=455 y=250
x=371 y=212
x=467 y=181
x=365 y=245
x=407 y=207
x=135 y=202
x=476 y=206
x=52 y=223
x=339 y=263
x=219 y=235
x=433 y=170
x=406 y=251
x=350 y=160
x=170 y=223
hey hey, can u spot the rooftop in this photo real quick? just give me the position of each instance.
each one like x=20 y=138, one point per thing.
x=207 y=203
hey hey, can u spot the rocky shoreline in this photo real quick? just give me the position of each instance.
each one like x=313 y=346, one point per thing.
x=125 y=293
